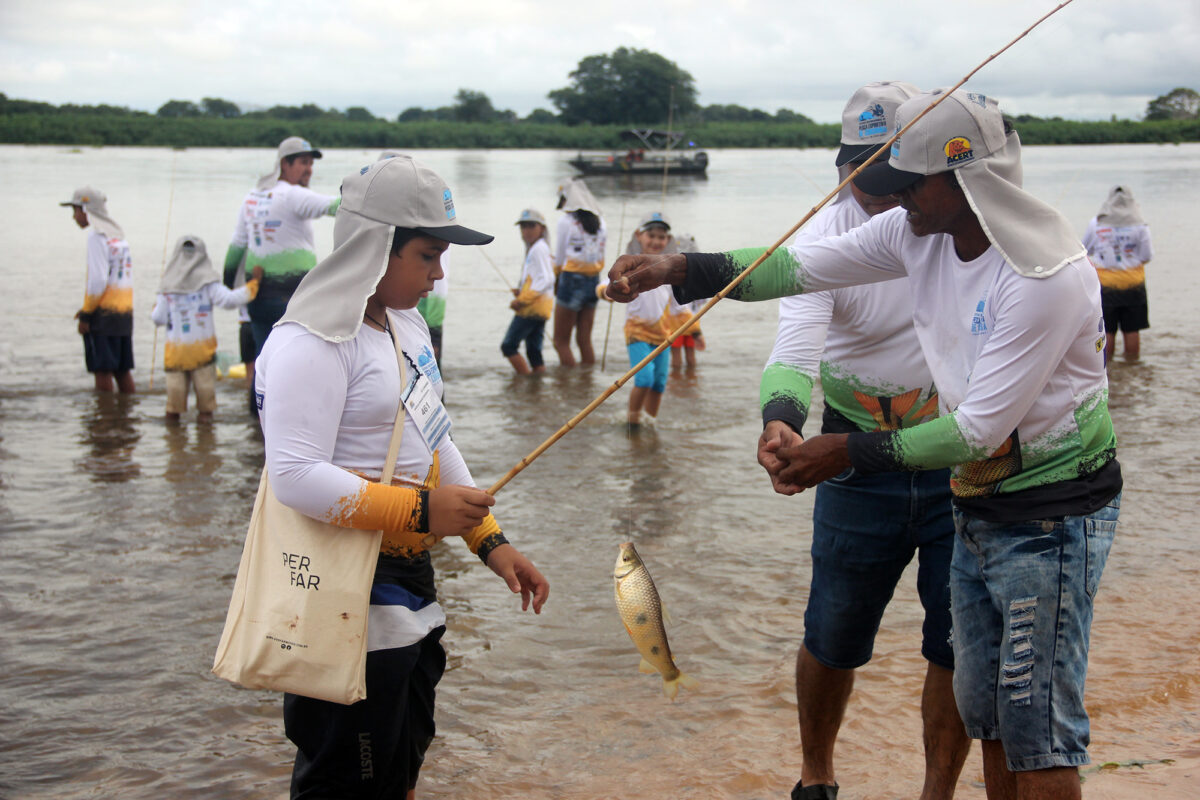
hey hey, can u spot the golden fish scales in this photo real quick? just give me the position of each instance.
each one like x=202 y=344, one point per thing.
x=641 y=612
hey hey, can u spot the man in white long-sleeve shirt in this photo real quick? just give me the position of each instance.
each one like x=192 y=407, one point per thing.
x=1007 y=309
x=866 y=528
x=274 y=231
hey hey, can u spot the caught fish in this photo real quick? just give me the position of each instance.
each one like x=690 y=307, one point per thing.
x=642 y=614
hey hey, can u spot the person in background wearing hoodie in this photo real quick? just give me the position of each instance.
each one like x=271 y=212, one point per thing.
x=274 y=231
x=579 y=259
x=106 y=318
x=533 y=299
x=1118 y=243
x=189 y=289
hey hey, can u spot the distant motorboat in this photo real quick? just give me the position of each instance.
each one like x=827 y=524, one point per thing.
x=650 y=152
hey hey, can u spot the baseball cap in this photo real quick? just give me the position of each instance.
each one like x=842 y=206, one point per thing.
x=295 y=145
x=867 y=119
x=531 y=215
x=85 y=195
x=403 y=192
x=963 y=129
x=652 y=219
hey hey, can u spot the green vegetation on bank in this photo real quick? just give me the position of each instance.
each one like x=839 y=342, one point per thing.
x=608 y=94
x=148 y=130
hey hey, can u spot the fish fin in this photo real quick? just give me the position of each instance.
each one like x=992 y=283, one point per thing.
x=671 y=687
x=663 y=610
x=646 y=668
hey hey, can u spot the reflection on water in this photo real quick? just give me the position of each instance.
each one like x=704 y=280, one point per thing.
x=110 y=435
x=114 y=588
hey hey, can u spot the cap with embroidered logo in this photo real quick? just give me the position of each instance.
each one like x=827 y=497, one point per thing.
x=531 y=215
x=654 y=219
x=403 y=192
x=868 y=118
x=964 y=128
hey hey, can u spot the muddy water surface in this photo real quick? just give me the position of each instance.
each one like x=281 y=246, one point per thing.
x=119 y=535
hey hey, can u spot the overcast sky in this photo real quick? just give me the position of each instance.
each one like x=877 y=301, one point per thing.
x=1093 y=59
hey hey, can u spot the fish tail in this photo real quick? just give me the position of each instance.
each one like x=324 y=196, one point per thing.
x=671 y=685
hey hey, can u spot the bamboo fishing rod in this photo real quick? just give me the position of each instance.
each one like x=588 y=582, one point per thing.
x=575 y=420
x=163 y=268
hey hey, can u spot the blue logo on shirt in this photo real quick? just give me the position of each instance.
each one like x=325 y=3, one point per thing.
x=979 y=322
x=428 y=365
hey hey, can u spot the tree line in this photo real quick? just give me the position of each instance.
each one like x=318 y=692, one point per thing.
x=607 y=93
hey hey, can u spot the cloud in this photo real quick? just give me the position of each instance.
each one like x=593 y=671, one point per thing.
x=1093 y=59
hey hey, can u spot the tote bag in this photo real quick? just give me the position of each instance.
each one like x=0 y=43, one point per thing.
x=297 y=621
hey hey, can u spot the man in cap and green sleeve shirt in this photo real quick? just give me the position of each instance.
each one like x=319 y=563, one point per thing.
x=274 y=231
x=866 y=529
x=1007 y=310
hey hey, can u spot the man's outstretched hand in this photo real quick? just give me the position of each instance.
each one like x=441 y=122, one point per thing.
x=632 y=275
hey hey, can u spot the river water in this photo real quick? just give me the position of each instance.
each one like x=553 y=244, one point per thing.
x=119 y=535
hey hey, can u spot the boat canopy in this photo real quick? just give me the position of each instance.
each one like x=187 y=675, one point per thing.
x=654 y=139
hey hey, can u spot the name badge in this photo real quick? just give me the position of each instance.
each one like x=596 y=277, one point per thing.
x=426 y=409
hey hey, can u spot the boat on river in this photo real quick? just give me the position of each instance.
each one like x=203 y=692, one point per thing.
x=650 y=152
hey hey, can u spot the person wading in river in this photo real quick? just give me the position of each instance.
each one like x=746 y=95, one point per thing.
x=274 y=231
x=866 y=528
x=578 y=261
x=1007 y=308
x=106 y=318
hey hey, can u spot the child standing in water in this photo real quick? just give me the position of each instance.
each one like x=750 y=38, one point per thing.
x=684 y=347
x=189 y=290
x=533 y=300
x=579 y=243
x=645 y=329
x=329 y=385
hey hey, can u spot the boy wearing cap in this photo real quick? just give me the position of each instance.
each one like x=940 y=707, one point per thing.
x=533 y=299
x=866 y=528
x=274 y=231
x=1007 y=308
x=645 y=328
x=106 y=317
x=347 y=324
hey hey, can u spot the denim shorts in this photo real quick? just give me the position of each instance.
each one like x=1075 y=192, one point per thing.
x=653 y=375
x=1022 y=597
x=866 y=529
x=577 y=291
x=530 y=330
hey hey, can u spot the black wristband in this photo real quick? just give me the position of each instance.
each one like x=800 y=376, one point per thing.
x=423 y=511
x=490 y=543
x=786 y=412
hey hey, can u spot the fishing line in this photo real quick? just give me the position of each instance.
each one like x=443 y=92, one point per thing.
x=163 y=268
x=617 y=384
x=667 y=153
x=497 y=268
x=608 y=327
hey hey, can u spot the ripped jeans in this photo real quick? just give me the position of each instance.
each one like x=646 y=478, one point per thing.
x=1021 y=607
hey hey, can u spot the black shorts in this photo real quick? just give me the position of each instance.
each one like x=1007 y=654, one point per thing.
x=246 y=342
x=107 y=353
x=1125 y=309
